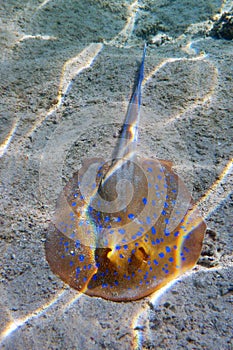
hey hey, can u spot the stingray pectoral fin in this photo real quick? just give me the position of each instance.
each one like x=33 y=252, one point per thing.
x=70 y=260
x=167 y=163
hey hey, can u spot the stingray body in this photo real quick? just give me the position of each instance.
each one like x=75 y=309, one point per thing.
x=124 y=228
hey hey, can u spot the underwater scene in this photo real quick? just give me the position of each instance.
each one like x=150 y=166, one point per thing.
x=116 y=174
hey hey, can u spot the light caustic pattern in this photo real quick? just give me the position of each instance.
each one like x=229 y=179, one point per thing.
x=127 y=227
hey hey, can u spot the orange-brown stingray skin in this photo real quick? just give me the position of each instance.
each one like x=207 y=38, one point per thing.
x=130 y=271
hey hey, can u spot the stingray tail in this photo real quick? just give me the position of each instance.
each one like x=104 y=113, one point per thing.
x=129 y=135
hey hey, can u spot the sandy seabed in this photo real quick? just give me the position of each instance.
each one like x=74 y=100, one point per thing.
x=67 y=71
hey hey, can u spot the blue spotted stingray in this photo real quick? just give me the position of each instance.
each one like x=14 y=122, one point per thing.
x=124 y=228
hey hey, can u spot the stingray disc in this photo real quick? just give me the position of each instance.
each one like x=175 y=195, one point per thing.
x=127 y=235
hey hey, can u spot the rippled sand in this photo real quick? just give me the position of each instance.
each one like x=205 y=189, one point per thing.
x=67 y=71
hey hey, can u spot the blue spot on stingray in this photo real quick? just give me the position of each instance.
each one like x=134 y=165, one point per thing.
x=171 y=259
x=121 y=231
x=148 y=220
x=118 y=219
x=95 y=277
x=168 y=249
x=176 y=234
x=150 y=170
x=71 y=263
x=166 y=232
x=131 y=216
x=144 y=201
x=118 y=247
x=161 y=255
x=155 y=262
x=81 y=257
x=153 y=202
x=153 y=230
x=78 y=270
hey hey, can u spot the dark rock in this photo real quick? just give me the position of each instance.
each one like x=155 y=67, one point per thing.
x=223 y=28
